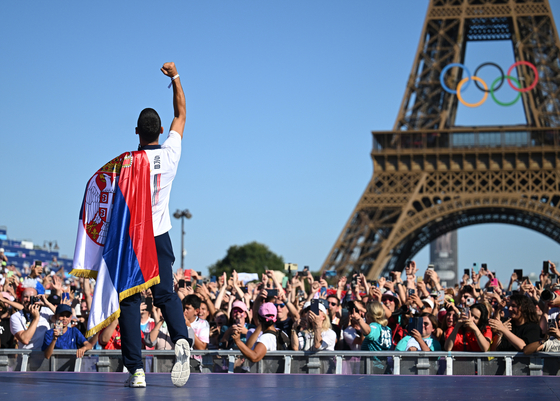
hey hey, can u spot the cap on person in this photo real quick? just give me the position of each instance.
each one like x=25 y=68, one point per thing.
x=428 y=302
x=54 y=299
x=391 y=294
x=321 y=307
x=8 y=296
x=239 y=305
x=63 y=308
x=268 y=312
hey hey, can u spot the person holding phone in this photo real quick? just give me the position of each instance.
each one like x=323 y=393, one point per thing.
x=470 y=333
x=240 y=318
x=421 y=341
x=352 y=335
x=376 y=334
x=64 y=336
x=264 y=337
x=551 y=341
x=316 y=333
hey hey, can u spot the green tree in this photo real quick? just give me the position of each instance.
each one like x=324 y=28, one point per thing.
x=249 y=258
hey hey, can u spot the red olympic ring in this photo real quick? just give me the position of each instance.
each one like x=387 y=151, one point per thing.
x=532 y=66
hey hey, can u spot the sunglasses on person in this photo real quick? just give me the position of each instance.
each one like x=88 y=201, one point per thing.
x=282 y=305
x=333 y=303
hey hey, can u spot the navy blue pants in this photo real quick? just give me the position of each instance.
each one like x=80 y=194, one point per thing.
x=164 y=298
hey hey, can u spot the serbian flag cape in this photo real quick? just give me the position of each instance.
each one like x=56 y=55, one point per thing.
x=115 y=243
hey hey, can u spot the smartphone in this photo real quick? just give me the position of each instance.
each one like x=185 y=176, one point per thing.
x=545 y=267
x=416 y=323
x=551 y=323
x=490 y=289
x=419 y=279
x=525 y=278
x=305 y=269
x=430 y=267
x=484 y=266
x=213 y=279
x=188 y=275
x=467 y=272
x=466 y=312
x=272 y=293
x=149 y=303
x=519 y=273
x=181 y=283
x=38 y=263
x=494 y=282
x=323 y=290
x=475 y=268
x=441 y=297
x=65 y=296
x=314 y=306
x=411 y=291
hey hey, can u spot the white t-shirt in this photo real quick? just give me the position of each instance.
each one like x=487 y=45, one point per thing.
x=328 y=338
x=350 y=334
x=201 y=328
x=18 y=323
x=163 y=167
x=269 y=341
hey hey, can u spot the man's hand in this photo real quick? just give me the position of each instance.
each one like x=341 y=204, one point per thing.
x=80 y=352
x=169 y=69
x=35 y=311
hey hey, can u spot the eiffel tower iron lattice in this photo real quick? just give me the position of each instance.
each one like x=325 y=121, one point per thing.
x=431 y=177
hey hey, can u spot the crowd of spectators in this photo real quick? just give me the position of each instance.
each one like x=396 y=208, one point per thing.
x=46 y=309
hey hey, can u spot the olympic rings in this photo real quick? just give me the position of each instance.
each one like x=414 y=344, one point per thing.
x=495 y=65
x=534 y=70
x=474 y=79
x=447 y=67
x=463 y=84
x=494 y=97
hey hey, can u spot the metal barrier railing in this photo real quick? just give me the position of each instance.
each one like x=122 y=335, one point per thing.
x=288 y=362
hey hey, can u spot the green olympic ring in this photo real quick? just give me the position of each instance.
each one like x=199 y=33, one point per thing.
x=508 y=77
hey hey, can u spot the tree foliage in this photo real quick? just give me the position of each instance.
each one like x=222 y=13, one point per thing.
x=249 y=258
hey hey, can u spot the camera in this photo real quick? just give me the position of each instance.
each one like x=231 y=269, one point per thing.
x=34 y=300
x=548 y=296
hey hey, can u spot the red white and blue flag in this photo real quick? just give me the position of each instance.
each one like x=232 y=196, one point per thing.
x=115 y=243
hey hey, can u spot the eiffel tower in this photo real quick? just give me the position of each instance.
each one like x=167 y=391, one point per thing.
x=431 y=177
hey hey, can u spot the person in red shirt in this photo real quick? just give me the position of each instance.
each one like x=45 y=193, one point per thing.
x=471 y=333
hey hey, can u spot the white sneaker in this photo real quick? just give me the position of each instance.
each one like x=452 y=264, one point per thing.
x=182 y=367
x=138 y=379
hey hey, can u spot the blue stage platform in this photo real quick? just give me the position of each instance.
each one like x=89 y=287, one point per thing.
x=61 y=386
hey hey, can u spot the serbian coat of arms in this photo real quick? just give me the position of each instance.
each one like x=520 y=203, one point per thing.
x=99 y=198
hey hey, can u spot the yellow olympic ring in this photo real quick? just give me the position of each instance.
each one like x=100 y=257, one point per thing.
x=475 y=79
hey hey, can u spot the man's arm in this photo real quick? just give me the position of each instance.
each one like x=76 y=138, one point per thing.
x=25 y=336
x=179 y=103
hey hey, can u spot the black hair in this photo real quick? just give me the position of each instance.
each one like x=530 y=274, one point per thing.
x=335 y=297
x=483 y=321
x=264 y=322
x=192 y=300
x=149 y=125
x=526 y=307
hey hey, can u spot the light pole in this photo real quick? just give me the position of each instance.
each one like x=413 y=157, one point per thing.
x=181 y=214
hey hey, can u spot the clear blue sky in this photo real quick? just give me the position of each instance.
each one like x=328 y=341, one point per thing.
x=281 y=98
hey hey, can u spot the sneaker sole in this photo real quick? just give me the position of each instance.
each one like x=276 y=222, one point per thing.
x=182 y=367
